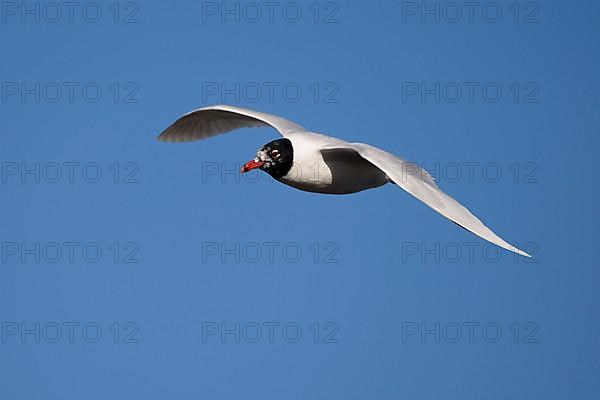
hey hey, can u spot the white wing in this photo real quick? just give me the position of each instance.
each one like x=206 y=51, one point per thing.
x=420 y=184
x=215 y=120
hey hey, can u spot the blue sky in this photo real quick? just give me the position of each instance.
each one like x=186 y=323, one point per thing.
x=134 y=268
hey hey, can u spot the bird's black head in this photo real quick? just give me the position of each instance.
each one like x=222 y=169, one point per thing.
x=275 y=158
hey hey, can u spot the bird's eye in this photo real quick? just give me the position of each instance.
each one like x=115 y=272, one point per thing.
x=274 y=153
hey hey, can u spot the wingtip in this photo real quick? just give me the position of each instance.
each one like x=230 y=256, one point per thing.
x=166 y=137
x=520 y=252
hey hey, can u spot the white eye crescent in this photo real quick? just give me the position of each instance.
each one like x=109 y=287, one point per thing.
x=274 y=153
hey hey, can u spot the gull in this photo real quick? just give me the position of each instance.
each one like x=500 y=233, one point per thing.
x=318 y=163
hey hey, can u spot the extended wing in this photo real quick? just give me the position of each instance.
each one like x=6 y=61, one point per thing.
x=420 y=184
x=215 y=120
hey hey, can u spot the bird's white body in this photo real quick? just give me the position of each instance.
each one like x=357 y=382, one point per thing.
x=337 y=173
x=325 y=164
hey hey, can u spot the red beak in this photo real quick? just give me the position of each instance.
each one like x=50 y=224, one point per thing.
x=250 y=165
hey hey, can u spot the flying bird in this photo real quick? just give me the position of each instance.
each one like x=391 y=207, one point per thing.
x=319 y=163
